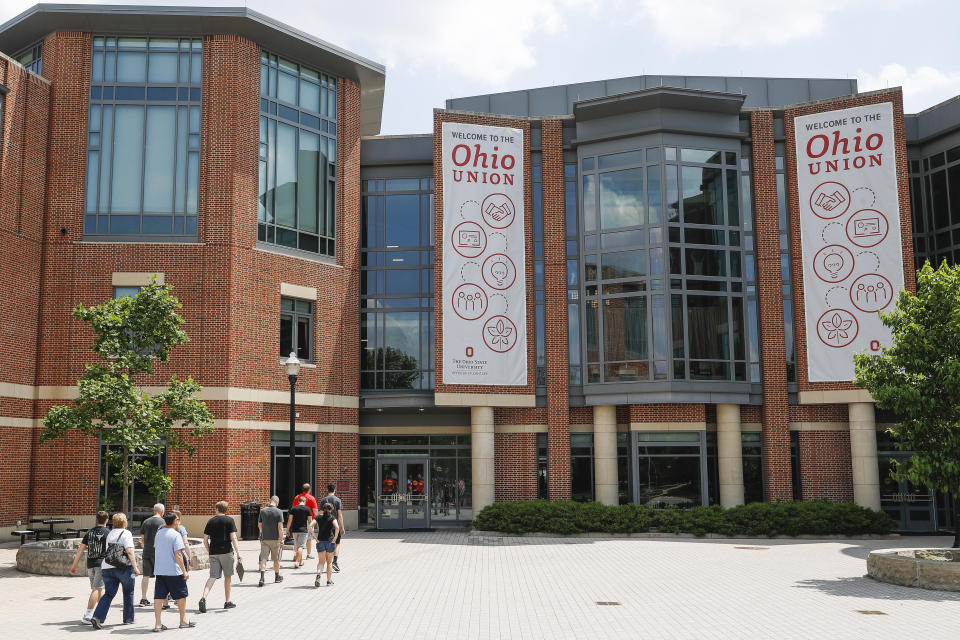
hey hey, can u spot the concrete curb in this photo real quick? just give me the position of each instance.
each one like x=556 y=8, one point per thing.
x=655 y=535
x=934 y=569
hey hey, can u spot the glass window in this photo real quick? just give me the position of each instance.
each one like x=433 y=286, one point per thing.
x=31 y=58
x=581 y=466
x=296 y=328
x=621 y=199
x=396 y=327
x=297 y=157
x=669 y=470
x=143 y=146
x=702 y=195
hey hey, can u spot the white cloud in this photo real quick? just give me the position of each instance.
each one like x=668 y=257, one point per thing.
x=486 y=42
x=690 y=25
x=922 y=86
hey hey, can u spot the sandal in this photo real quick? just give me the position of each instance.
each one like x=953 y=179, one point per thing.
x=162 y=627
x=189 y=625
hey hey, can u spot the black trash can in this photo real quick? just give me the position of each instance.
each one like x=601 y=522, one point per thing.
x=249 y=516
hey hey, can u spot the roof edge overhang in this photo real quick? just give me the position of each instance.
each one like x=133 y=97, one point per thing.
x=42 y=19
x=659 y=98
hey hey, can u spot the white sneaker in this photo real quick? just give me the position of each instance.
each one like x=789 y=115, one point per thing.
x=310 y=556
x=85 y=620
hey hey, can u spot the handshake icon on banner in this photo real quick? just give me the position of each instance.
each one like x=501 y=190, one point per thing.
x=497 y=211
x=829 y=203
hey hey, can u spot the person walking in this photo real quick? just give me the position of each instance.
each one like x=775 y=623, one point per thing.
x=327 y=530
x=331 y=498
x=170 y=572
x=117 y=575
x=270 y=524
x=314 y=510
x=298 y=522
x=148 y=531
x=95 y=546
x=220 y=539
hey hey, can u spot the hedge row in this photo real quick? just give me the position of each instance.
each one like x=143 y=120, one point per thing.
x=759 y=519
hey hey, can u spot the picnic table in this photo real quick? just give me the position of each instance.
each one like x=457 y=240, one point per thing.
x=50 y=522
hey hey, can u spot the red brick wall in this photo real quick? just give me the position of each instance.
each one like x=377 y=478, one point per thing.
x=555 y=311
x=515 y=466
x=776 y=435
x=23 y=161
x=818 y=413
x=825 y=467
x=338 y=461
x=674 y=412
x=520 y=415
x=906 y=220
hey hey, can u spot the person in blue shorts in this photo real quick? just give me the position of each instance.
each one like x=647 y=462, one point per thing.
x=170 y=571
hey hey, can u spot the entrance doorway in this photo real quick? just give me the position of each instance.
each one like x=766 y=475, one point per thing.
x=914 y=508
x=305 y=464
x=404 y=490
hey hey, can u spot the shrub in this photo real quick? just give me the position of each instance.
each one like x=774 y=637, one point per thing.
x=759 y=519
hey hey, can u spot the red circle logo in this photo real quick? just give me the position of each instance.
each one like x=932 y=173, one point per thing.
x=499 y=271
x=469 y=239
x=833 y=263
x=837 y=328
x=499 y=334
x=871 y=292
x=469 y=301
x=829 y=200
x=867 y=228
x=498 y=211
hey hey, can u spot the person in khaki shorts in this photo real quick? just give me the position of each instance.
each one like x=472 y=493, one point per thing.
x=220 y=539
x=271 y=538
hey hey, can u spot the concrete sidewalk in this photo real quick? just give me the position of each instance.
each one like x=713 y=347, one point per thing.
x=447 y=584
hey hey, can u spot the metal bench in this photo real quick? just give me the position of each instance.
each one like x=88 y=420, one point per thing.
x=71 y=533
x=24 y=534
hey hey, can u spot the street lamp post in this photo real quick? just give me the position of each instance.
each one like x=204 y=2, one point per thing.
x=292 y=367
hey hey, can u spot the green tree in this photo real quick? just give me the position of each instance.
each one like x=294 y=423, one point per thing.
x=133 y=332
x=918 y=378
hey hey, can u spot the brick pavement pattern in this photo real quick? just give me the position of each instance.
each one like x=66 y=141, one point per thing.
x=447 y=584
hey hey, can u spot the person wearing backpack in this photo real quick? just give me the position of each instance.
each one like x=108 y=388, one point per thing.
x=95 y=545
x=119 y=567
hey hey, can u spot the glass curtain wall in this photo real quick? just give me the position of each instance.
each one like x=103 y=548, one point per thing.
x=671 y=469
x=396 y=285
x=663 y=266
x=581 y=467
x=539 y=315
x=573 y=273
x=297 y=157
x=935 y=196
x=450 y=474
x=751 y=453
x=786 y=275
x=143 y=140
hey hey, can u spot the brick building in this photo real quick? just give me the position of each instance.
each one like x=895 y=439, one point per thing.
x=238 y=160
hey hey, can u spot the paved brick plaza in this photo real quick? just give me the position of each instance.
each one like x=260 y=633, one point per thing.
x=449 y=585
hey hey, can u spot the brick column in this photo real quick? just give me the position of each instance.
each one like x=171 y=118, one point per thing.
x=555 y=307
x=776 y=426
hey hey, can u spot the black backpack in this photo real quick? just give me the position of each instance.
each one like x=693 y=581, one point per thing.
x=97 y=543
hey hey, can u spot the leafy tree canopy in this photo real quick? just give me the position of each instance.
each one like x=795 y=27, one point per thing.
x=131 y=334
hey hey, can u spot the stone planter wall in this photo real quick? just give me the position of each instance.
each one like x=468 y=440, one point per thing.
x=54 y=557
x=937 y=569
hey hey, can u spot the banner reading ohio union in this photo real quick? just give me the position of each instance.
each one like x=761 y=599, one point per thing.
x=484 y=270
x=850 y=230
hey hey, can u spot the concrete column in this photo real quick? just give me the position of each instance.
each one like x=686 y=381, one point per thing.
x=605 y=488
x=863 y=455
x=481 y=453
x=729 y=455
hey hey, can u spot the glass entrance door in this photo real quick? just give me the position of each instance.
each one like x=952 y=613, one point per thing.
x=305 y=465
x=912 y=507
x=403 y=500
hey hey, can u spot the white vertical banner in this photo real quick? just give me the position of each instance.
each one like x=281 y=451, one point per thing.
x=484 y=256
x=850 y=233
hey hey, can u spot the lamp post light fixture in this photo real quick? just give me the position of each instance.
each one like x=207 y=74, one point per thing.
x=292 y=367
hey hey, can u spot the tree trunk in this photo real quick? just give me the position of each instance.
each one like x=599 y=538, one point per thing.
x=956 y=521
x=126 y=483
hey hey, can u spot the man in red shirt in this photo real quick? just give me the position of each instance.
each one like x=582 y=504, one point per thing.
x=314 y=508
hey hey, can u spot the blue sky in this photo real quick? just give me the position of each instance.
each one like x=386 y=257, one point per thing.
x=436 y=49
